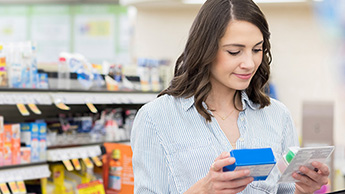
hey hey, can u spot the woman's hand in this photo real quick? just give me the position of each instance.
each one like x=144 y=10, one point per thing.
x=217 y=181
x=312 y=180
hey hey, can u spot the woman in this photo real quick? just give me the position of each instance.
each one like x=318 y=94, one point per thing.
x=215 y=103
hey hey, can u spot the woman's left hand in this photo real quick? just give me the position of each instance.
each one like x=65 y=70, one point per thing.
x=312 y=180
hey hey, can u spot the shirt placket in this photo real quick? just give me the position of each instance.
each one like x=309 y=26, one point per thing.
x=242 y=127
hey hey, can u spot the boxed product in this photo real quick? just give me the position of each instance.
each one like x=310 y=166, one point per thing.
x=7 y=145
x=25 y=155
x=42 y=138
x=15 y=141
x=1 y=140
x=260 y=162
x=29 y=136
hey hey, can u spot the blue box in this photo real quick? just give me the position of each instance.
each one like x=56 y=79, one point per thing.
x=259 y=161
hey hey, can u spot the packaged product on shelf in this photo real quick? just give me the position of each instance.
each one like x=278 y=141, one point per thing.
x=34 y=69
x=42 y=138
x=42 y=80
x=25 y=155
x=15 y=142
x=3 y=68
x=2 y=138
x=130 y=115
x=155 y=81
x=63 y=73
x=29 y=135
x=118 y=175
x=26 y=54
x=7 y=145
x=15 y=66
x=144 y=74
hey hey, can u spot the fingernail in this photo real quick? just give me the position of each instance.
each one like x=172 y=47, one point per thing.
x=303 y=169
x=232 y=160
x=246 y=172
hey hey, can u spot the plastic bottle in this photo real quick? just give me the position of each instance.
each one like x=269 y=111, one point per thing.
x=115 y=169
x=63 y=74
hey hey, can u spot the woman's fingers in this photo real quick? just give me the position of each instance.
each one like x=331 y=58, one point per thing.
x=220 y=163
x=223 y=155
x=322 y=168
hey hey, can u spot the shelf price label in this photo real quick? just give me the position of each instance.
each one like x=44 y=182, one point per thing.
x=68 y=165
x=21 y=186
x=14 y=187
x=76 y=164
x=4 y=188
x=22 y=109
x=58 y=103
x=34 y=109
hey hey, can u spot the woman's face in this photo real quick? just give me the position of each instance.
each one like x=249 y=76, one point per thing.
x=238 y=57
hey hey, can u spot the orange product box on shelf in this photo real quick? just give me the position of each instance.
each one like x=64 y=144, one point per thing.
x=1 y=140
x=7 y=144
x=118 y=175
x=15 y=142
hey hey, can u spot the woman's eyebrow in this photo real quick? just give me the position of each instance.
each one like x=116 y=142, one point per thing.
x=241 y=45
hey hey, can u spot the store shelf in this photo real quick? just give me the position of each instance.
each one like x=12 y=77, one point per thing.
x=41 y=97
x=24 y=172
x=60 y=154
x=69 y=145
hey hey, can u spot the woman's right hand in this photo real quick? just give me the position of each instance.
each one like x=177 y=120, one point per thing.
x=219 y=182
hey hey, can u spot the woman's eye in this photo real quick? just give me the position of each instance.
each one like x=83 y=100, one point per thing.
x=233 y=53
x=257 y=50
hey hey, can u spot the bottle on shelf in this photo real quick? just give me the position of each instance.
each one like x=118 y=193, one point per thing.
x=63 y=74
x=115 y=170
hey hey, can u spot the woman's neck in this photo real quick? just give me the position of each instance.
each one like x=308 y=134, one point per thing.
x=222 y=101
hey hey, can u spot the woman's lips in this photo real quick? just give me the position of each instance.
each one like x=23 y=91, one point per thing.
x=243 y=76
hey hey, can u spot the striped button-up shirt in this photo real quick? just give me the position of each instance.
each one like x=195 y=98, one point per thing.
x=174 y=147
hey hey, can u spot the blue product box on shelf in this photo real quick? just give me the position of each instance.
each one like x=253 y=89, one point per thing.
x=260 y=162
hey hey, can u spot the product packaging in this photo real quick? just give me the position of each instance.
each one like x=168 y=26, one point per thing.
x=259 y=162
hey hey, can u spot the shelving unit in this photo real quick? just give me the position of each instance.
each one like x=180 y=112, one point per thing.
x=45 y=101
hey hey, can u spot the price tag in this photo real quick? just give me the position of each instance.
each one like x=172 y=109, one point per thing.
x=23 y=110
x=76 y=163
x=4 y=188
x=88 y=162
x=97 y=161
x=68 y=165
x=93 y=187
x=34 y=109
x=92 y=108
x=14 y=187
x=21 y=186
x=58 y=103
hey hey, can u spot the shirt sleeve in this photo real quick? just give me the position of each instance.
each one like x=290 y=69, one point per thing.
x=290 y=140
x=149 y=164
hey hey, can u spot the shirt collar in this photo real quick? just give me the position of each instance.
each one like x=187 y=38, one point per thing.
x=247 y=102
x=187 y=103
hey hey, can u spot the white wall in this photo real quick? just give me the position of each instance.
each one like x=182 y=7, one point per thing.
x=303 y=68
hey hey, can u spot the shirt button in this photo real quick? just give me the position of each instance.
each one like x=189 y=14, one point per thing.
x=241 y=139
x=242 y=119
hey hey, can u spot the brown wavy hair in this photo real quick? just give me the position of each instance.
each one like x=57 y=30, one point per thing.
x=192 y=70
